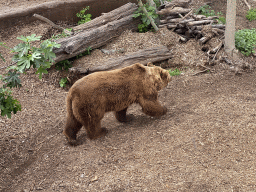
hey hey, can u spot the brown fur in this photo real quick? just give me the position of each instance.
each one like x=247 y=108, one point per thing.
x=94 y=95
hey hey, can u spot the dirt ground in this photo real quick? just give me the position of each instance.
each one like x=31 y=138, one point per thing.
x=206 y=141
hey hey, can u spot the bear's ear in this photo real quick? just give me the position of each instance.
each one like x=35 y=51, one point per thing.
x=150 y=64
x=163 y=75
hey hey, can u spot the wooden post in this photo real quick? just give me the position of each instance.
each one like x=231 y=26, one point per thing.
x=230 y=27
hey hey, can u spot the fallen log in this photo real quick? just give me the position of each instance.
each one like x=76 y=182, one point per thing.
x=208 y=32
x=170 y=17
x=211 y=18
x=171 y=26
x=178 y=3
x=219 y=26
x=204 y=39
x=144 y=56
x=173 y=11
x=163 y=25
x=198 y=17
x=176 y=20
x=95 y=38
x=201 y=22
x=105 y=18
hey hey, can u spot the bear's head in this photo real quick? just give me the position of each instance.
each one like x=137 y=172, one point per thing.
x=159 y=76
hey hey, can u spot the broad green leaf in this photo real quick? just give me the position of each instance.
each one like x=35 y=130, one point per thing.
x=29 y=38
x=49 y=55
x=12 y=79
x=35 y=55
x=23 y=63
x=41 y=70
x=22 y=49
x=22 y=38
x=13 y=67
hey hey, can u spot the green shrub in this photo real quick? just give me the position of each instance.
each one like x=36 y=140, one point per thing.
x=206 y=10
x=84 y=17
x=222 y=20
x=146 y=25
x=158 y=3
x=40 y=58
x=7 y=103
x=62 y=35
x=251 y=14
x=175 y=72
x=245 y=41
x=87 y=52
x=26 y=56
x=63 y=82
x=63 y=65
x=11 y=79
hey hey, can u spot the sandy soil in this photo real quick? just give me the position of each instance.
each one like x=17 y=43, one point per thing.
x=206 y=142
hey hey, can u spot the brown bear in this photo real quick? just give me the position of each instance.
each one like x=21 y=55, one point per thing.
x=93 y=95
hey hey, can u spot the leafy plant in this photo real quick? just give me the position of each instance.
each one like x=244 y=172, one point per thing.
x=7 y=103
x=11 y=79
x=84 y=17
x=40 y=58
x=63 y=65
x=62 y=35
x=245 y=41
x=145 y=26
x=63 y=82
x=206 y=10
x=251 y=14
x=221 y=20
x=175 y=72
x=26 y=56
x=87 y=52
x=158 y=3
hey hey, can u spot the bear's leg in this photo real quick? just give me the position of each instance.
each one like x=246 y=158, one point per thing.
x=71 y=129
x=94 y=130
x=152 y=108
x=121 y=115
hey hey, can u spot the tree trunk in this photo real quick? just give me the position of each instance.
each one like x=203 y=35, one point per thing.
x=116 y=14
x=173 y=11
x=230 y=27
x=144 y=56
x=95 y=38
x=178 y=3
